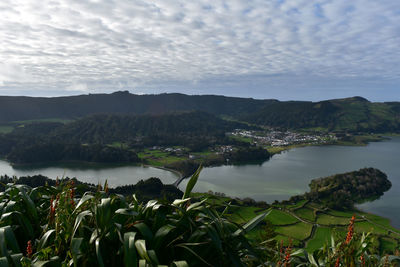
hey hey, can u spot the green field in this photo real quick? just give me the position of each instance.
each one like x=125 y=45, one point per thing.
x=277 y=217
x=306 y=213
x=298 y=231
x=6 y=129
x=369 y=227
x=326 y=219
x=321 y=236
x=159 y=157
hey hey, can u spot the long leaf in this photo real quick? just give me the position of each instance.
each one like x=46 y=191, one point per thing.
x=252 y=223
x=8 y=241
x=180 y=264
x=76 y=249
x=141 y=249
x=145 y=231
x=98 y=252
x=45 y=239
x=79 y=219
x=130 y=257
x=192 y=182
x=85 y=198
x=161 y=233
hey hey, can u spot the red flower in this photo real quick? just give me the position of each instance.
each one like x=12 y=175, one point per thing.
x=287 y=254
x=337 y=263
x=350 y=231
x=52 y=207
x=29 y=250
x=362 y=259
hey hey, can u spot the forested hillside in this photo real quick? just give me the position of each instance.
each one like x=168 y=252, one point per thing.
x=172 y=127
x=351 y=114
x=13 y=108
x=95 y=138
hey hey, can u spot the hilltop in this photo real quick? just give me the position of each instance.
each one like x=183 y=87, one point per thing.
x=355 y=114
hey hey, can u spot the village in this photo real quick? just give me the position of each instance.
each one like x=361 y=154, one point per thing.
x=282 y=138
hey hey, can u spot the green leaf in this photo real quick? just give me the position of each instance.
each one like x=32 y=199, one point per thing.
x=161 y=234
x=178 y=202
x=180 y=264
x=76 y=249
x=4 y=262
x=192 y=182
x=31 y=208
x=312 y=260
x=252 y=223
x=85 y=198
x=194 y=253
x=79 y=219
x=8 y=241
x=153 y=257
x=145 y=231
x=195 y=205
x=126 y=212
x=22 y=221
x=98 y=252
x=130 y=257
x=76 y=245
x=141 y=249
x=45 y=239
x=142 y=263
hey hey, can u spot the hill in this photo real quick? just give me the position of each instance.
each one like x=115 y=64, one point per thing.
x=16 y=108
x=349 y=114
x=112 y=138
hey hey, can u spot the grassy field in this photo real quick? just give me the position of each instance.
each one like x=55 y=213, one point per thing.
x=6 y=129
x=326 y=219
x=277 y=217
x=306 y=213
x=159 y=157
x=298 y=231
x=287 y=227
x=321 y=236
x=43 y=120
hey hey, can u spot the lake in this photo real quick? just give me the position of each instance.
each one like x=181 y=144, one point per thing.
x=284 y=175
x=93 y=173
x=290 y=172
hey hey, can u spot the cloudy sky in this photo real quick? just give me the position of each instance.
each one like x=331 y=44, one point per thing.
x=284 y=49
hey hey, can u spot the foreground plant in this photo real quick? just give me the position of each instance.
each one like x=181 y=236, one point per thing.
x=99 y=229
x=52 y=226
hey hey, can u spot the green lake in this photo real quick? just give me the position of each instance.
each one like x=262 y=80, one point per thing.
x=284 y=175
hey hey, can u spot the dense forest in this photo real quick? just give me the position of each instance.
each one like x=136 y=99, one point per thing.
x=350 y=114
x=342 y=191
x=16 y=108
x=57 y=151
x=91 y=138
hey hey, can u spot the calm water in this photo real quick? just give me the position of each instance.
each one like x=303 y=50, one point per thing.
x=290 y=173
x=94 y=173
x=279 y=178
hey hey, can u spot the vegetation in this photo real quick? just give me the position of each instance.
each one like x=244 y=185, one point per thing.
x=58 y=225
x=51 y=151
x=354 y=114
x=342 y=191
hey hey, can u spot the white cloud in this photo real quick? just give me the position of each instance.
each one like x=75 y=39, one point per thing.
x=148 y=43
x=79 y=87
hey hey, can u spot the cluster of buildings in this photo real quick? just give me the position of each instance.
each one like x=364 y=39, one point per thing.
x=280 y=138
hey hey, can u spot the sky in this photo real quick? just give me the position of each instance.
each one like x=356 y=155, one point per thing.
x=282 y=49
